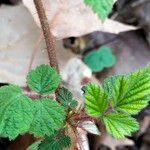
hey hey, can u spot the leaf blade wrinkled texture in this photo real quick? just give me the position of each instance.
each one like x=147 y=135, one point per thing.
x=43 y=79
x=16 y=112
x=66 y=98
x=95 y=100
x=131 y=93
x=48 y=118
x=120 y=125
x=55 y=143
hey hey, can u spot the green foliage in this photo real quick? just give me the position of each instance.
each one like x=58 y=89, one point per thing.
x=66 y=99
x=54 y=142
x=109 y=83
x=48 y=118
x=65 y=141
x=39 y=117
x=16 y=112
x=101 y=7
x=127 y=95
x=20 y=114
x=44 y=79
x=34 y=146
x=95 y=99
x=131 y=93
x=120 y=125
x=99 y=59
x=120 y=97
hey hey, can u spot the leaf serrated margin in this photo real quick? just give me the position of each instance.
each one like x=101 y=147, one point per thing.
x=48 y=118
x=43 y=79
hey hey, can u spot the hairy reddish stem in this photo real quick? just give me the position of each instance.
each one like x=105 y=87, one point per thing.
x=85 y=118
x=49 y=38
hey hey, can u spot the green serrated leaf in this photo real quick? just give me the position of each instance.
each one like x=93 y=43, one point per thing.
x=120 y=125
x=132 y=93
x=101 y=7
x=34 y=146
x=95 y=99
x=99 y=59
x=16 y=112
x=48 y=118
x=43 y=80
x=66 y=98
x=109 y=84
x=55 y=143
x=65 y=141
x=73 y=104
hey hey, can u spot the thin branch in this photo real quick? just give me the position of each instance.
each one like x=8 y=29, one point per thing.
x=49 y=39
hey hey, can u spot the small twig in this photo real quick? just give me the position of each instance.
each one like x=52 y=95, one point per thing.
x=85 y=118
x=49 y=39
x=77 y=137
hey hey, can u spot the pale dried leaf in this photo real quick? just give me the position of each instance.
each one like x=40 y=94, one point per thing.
x=90 y=127
x=72 y=18
x=18 y=37
x=13 y=25
x=113 y=143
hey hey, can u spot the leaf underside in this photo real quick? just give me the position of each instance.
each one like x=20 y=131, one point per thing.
x=90 y=127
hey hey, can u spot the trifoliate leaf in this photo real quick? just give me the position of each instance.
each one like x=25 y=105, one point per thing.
x=132 y=93
x=34 y=146
x=101 y=7
x=55 y=143
x=16 y=112
x=120 y=125
x=99 y=59
x=44 y=79
x=66 y=99
x=48 y=117
x=95 y=99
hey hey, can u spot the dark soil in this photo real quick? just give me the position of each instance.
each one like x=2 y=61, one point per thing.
x=10 y=2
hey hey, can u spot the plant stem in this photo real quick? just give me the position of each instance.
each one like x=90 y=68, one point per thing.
x=49 y=38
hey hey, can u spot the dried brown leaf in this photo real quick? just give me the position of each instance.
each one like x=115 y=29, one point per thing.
x=70 y=18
